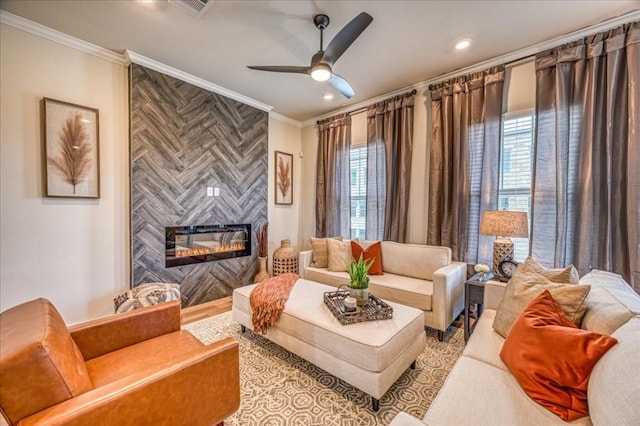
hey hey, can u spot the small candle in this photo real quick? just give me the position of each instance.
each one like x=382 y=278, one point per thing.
x=349 y=304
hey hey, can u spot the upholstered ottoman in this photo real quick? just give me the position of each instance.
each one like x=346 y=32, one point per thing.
x=369 y=355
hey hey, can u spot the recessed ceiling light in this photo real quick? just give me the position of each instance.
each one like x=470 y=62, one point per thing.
x=463 y=44
x=327 y=96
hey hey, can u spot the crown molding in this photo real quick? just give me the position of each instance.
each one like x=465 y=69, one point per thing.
x=196 y=81
x=507 y=59
x=60 y=38
x=285 y=119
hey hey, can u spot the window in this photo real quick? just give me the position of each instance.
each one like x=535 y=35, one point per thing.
x=358 y=172
x=515 y=171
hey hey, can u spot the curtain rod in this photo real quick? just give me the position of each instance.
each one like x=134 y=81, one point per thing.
x=359 y=110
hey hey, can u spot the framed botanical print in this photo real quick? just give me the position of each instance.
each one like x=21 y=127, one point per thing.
x=284 y=178
x=71 y=150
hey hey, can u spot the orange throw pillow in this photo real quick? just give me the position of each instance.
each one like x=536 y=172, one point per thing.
x=551 y=358
x=374 y=251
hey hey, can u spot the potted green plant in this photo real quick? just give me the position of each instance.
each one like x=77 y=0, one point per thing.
x=359 y=286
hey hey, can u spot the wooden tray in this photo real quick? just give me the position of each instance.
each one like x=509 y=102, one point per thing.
x=375 y=310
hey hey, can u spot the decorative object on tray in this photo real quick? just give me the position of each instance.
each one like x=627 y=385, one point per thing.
x=285 y=259
x=284 y=178
x=503 y=224
x=263 y=243
x=359 y=286
x=375 y=309
x=71 y=160
x=482 y=270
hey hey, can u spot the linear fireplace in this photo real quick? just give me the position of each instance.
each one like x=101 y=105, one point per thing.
x=207 y=243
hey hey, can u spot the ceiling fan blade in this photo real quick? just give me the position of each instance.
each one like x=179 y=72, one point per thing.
x=281 y=68
x=341 y=85
x=346 y=37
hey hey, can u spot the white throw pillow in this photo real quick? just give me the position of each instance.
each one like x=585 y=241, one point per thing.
x=339 y=254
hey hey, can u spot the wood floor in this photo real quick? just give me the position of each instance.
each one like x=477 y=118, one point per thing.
x=205 y=310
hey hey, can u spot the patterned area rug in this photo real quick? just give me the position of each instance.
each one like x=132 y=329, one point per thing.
x=280 y=388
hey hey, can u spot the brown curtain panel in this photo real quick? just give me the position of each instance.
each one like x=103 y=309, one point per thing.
x=333 y=204
x=465 y=154
x=389 y=151
x=586 y=194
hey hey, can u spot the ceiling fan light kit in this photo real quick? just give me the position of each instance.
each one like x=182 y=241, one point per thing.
x=321 y=72
x=321 y=67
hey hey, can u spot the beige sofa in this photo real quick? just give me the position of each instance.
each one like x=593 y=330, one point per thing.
x=420 y=276
x=480 y=390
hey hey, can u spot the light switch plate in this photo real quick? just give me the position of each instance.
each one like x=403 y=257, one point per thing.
x=210 y=191
x=216 y=192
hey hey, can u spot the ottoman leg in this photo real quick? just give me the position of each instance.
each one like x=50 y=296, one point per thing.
x=243 y=329
x=375 y=404
x=440 y=335
x=413 y=365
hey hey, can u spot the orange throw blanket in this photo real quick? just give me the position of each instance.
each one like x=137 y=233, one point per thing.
x=267 y=300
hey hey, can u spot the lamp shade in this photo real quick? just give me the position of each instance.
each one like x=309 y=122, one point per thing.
x=504 y=223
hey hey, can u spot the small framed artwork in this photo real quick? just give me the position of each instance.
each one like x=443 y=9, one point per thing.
x=284 y=178
x=71 y=150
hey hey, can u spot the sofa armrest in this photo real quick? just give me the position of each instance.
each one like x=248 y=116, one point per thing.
x=104 y=335
x=196 y=388
x=448 y=293
x=404 y=419
x=493 y=291
x=304 y=261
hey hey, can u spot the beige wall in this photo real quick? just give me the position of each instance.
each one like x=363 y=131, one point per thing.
x=76 y=252
x=73 y=252
x=283 y=219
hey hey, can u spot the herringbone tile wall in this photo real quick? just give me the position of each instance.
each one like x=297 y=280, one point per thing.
x=183 y=139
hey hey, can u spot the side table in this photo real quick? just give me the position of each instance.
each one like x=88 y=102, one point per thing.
x=473 y=294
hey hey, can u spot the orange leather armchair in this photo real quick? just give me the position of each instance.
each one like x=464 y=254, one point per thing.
x=136 y=368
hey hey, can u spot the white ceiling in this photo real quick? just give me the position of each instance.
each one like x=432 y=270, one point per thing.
x=408 y=41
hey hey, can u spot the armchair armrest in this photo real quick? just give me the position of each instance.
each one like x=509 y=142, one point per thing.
x=448 y=293
x=493 y=291
x=104 y=335
x=304 y=261
x=201 y=387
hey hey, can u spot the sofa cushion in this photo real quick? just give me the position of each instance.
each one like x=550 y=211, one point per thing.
x=414 y=260
x=372 y=252
x=339 y=254
x=40 y=364
x=525 y=286
x=480 y=394
x=320 y=254
x=485 y=344
x=611 y=302
x=551 y=358
x=405 y=290
x=614 y=386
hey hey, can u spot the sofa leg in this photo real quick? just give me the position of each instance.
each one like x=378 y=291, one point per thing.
x=243 y=329
x=375 y=404
x=220 y=424
x=440 y=335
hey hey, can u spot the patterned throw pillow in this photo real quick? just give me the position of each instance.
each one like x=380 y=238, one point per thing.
x=320 y=255
x=527 y=284
x=147 y=294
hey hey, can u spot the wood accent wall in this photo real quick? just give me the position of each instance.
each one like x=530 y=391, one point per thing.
x=183 y=139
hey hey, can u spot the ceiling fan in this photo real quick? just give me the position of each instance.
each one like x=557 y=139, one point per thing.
x=321 y=68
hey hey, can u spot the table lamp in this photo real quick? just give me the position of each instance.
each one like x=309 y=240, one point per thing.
x=503 y=224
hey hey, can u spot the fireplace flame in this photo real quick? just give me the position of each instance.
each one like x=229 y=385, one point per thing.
x=198 y=250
